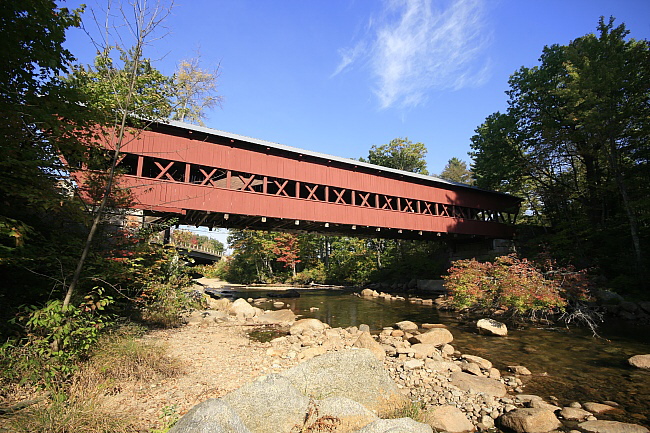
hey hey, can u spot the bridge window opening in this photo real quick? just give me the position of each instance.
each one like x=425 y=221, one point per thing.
x=157 y=168
x=281 y=187
x=129 y=164
x=203 y=175
x=386 y=202
x=246 y=182
x=340 y=196
x=312 y=192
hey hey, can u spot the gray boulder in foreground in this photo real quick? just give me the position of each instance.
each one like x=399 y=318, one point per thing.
x=399 y=425
x=270 y=404
x=602 y=426
x=351 y=415
x=210 y=416
x=355 y=374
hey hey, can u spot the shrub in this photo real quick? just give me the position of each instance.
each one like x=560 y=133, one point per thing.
x=509 y=283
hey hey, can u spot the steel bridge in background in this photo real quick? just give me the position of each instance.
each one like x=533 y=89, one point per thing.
x=205 y=177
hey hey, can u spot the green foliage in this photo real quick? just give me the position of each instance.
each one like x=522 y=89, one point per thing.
x=195 y=91
x=401 y=154
x=186 y=237
x=510 y=284
x=574 y=144
x=56 y=339
x=122 y=80
x=457 y=171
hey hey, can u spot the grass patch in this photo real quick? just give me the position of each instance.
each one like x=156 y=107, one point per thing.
x=411 y=410
x=82 y=402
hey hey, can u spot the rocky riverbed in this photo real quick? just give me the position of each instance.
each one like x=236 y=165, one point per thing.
x=450 y=390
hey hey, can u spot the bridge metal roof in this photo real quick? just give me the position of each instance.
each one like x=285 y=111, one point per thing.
x=319 y=155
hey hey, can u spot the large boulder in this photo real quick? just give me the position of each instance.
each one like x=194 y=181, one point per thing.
x=303 y=325
x=481 y=362
x=530 y=420
x=602 y=426
x=424 y=350
x=407 y=326
x=399 y=425
x=243 y=310
x=491 y=327
x=365 y=341
x=449 y=419
x=475 y=384
x=598 y=408
x=640 y=361
x=574 y=414
x=269 y=405
x=355 y=374
x=351 y=415
x=435 y=336
x=277 y=317
x=210 y=416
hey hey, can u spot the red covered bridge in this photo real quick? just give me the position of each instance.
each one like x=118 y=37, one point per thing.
x=207 y=177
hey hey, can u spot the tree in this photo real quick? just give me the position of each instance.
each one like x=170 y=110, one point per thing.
x=401 y=154
x=195 y=91
x=577 y=129
x=31 y=100
x=457 y=171
x=287 y=249
x=126 y=88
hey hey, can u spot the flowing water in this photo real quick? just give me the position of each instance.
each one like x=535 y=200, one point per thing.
x=567 y=364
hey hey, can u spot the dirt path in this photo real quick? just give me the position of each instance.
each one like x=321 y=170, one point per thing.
x=217 y=359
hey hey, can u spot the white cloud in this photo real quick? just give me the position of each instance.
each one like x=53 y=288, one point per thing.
x=415 y=48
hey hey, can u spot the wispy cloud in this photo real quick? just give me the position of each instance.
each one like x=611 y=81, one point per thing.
x=414 y=48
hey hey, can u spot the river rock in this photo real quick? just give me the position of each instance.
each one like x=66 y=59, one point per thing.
x=277 y=317
x=364 y=328
x=470 y=367
x=365 y=341
x=269 y=404
x=435 y=336
x=530 y=420
x=399 y=425
x=210 y=416
x=476 y=384
x=303 y=325
x=449 y=419
x=519 y=369
x=640 y=361
x=574 y=414
x=481 y=362
x=442 y=366
x=355 y=374
x=491 y=327
x=222 y=304
x=351 y=414
x=598 y=407
x=412 y=364
x=424 y=350
x=407 y=326
x=367 y=292
x=243 y=310
x=602 y=426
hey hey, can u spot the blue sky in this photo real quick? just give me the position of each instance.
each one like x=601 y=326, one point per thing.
x=338 y=76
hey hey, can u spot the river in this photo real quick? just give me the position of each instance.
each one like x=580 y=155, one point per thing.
x=568 y=364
